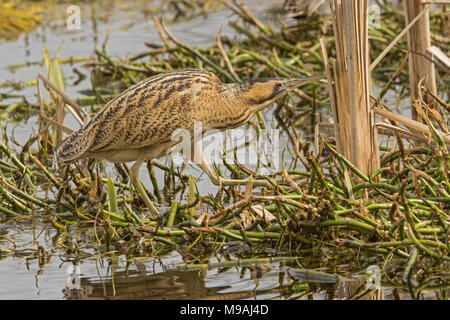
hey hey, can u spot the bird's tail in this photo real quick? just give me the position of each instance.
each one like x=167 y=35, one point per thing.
x=72 y=147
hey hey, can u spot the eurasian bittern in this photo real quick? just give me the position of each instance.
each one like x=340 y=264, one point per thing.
x=138 y=124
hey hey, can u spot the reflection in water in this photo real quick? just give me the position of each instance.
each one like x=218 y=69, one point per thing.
x=133 y=285
x=243 y=282
x=190 y=285
x=226 y=275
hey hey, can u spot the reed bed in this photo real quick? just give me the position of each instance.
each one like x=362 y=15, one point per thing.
x=320 y=203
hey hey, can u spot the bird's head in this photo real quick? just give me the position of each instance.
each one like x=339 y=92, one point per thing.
x=259 y=93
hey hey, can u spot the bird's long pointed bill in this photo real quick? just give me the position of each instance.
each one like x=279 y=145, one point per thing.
x=297 y=82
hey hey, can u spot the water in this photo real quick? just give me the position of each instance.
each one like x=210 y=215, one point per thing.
x=57 y=272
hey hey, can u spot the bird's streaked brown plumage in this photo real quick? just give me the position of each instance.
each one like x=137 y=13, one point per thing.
x=138 y=124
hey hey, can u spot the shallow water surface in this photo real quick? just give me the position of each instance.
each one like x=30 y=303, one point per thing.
x=58 y=273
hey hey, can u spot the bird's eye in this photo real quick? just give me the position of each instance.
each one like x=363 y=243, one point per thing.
x=278 y=85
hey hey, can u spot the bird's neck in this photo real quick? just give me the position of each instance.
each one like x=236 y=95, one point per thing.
x=229 y=92
x=236 y=96
x=233 y=109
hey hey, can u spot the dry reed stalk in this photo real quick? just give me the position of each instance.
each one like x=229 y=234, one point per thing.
x=356 y=133
x=400 y=36
x=340 y=93
x=389 y=129
x=440 y=55
x=332 y=91
x=79 y=114
x=411 y=124
x=60 y=118
x=420 y=60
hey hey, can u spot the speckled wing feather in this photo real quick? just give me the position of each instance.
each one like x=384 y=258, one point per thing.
x=144 y=114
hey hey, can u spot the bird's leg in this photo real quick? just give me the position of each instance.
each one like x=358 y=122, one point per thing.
x=85 y=167
x=204 y=165
x=134 y=177
x=219 y=181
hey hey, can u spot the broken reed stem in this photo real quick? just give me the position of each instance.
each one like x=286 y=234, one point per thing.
x=81 y=113
x=414 y=125
x=400 y=36
x=357 y=134
x=420 y=65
